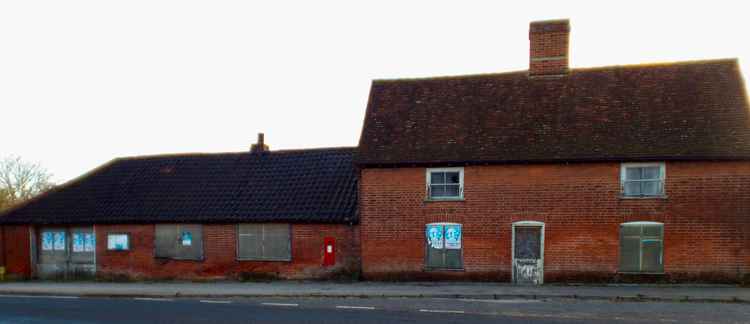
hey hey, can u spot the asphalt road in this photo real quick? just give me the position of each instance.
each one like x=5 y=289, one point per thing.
x=32 y=309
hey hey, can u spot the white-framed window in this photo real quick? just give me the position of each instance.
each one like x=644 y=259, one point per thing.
x=443 y=246
x=642 y=247
x=118 y=241
x=445 y=183
x=642 y=179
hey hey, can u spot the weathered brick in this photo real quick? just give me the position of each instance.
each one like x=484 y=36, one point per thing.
x=705 y=216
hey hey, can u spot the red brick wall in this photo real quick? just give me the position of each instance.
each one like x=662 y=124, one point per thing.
x=706 y=220
x=219 y=248
x=15 y=247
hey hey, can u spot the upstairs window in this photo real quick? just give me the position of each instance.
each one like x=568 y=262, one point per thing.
x=641 y=247
x=642 y=179
x=445 y=183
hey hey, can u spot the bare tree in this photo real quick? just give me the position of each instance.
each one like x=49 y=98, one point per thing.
x=21 y=180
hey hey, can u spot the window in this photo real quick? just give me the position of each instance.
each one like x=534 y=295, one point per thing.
x=445 y=183
x=641 y=247
x=179 y=241
x=642 y=179
x=53 y=240
x=264 y=242
x=444 y=246
x=83 y=242
x=118 y=242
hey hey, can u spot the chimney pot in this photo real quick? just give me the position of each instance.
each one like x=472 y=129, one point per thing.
x=549 y=42
x=260 y=146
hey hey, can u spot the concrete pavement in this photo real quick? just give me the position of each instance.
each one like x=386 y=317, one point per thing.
x=695 y=293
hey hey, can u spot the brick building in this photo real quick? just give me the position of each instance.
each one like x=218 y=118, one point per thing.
x=558 y=174
x=550 y=174
x=280 y=214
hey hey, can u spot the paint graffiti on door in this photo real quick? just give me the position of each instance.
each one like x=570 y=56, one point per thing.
x=527 y=271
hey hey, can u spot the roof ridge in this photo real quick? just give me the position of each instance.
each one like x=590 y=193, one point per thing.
x=727 y=60
x=210 y=154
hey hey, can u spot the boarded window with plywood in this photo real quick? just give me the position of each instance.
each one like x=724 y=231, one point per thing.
x=267 y=242
x=641 y=247
x=179 y=241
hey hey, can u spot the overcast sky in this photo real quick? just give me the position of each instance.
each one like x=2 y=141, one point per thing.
x=82 y=82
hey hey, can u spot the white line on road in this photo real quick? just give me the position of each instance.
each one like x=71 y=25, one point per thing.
x=216 y=301
x=154 y=299
x=441 y=311
x=502 y=301
x=355 y=307
x=280 y=304
x=40 y=296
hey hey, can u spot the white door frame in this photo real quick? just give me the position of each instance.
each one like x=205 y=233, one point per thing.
x=513 y=247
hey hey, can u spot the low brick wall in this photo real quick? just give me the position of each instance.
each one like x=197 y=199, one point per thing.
x=15 y=247
x=220 y=255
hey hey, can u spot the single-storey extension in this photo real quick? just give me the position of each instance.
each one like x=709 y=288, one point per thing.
x=269 y=214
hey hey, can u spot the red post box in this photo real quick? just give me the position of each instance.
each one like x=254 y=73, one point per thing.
x=329 y=251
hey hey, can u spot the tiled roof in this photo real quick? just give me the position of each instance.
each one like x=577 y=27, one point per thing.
x=316 y=186
x=672 y=111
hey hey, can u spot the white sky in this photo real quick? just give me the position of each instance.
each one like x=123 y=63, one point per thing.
x=82 y=82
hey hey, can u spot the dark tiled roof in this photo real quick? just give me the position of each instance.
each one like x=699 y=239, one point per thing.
x=689 y=110
x=317 y=186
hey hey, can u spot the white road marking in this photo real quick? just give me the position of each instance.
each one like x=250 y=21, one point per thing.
x=216 y=301
x=502 y=301
x=441 y=311
x=154 y=299
x=280 y=304
x=355 y=307
x=40 y=296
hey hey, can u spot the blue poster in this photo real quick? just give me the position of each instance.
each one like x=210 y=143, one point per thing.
x=89 y=243
x=453 y=236
x=78 y=242
x=59 y=241
x=435 y=236
x=47 y=241
x=187 y=239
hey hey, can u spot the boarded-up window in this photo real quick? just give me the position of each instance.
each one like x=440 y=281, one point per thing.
x=444 y=246
x=264 y=242
x=641 y=247
x=179 y=241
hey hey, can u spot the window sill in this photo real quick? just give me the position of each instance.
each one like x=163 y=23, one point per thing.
x=180 y=259
x=263 y=260
x=664 y=197
x=443 y=269
x=640 y=273
x=443 y=199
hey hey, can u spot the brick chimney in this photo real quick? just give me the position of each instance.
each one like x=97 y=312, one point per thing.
x=549 y=47
x=259 y=147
